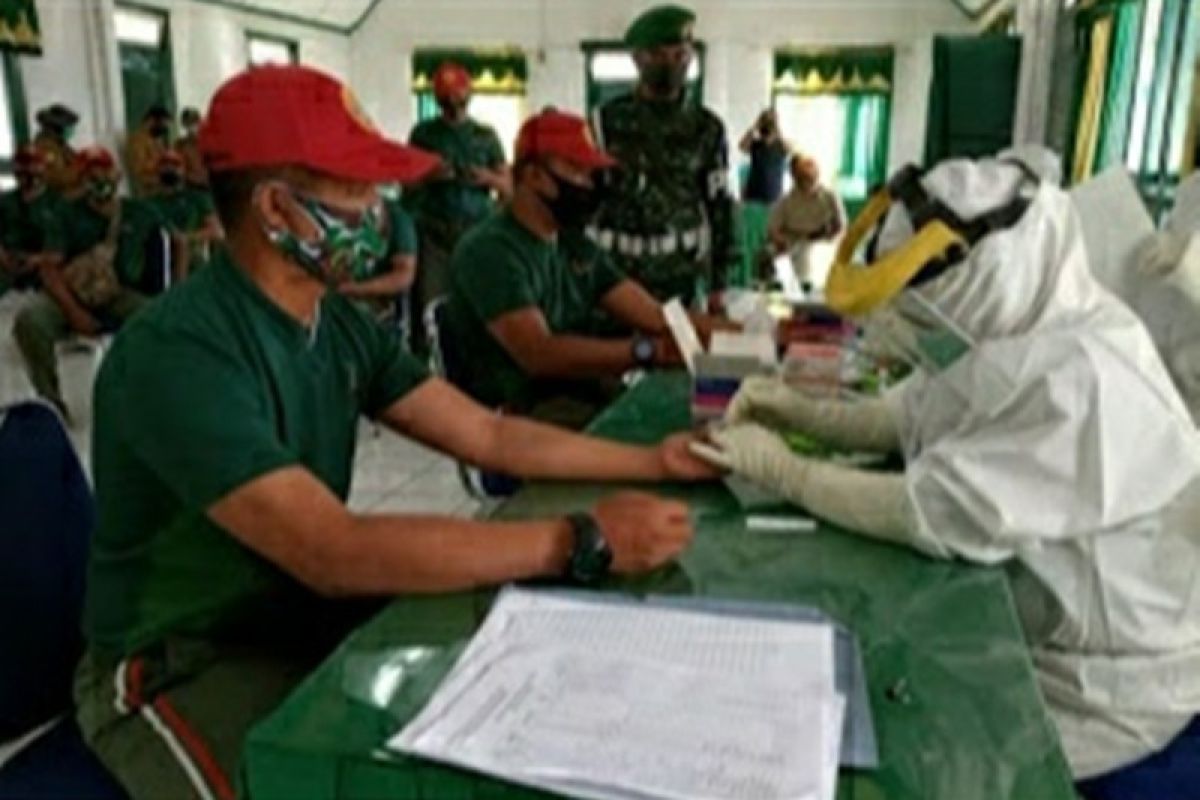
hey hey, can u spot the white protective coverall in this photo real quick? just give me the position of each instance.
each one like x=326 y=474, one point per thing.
x=1056 y=446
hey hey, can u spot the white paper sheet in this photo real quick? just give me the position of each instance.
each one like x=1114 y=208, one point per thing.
x=621 y=701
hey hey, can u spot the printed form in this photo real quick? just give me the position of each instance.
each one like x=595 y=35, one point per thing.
x=619 y=700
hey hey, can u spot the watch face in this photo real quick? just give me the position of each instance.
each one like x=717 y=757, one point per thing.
x=591 y=557
x=643 y=350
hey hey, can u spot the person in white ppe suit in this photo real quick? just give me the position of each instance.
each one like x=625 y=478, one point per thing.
x=1040 y=431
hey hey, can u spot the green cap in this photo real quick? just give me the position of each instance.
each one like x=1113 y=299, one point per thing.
x=661 y=25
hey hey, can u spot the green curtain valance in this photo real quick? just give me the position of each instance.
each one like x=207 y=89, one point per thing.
x=19 y=29
x=840 y=71
x=492 y=71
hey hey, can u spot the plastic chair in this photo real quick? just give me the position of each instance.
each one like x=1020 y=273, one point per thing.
x=48 y=520
x=446 y=363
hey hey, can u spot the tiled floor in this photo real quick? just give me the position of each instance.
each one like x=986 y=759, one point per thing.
x=391 y=474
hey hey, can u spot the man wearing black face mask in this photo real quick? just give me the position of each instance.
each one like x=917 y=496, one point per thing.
x=525 y=282
x=667 y=218
x=146 y=146
x=189 y=214
x=461 y=192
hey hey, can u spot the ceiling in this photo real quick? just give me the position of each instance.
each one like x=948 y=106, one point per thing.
x=341 y=15
x=344 y=16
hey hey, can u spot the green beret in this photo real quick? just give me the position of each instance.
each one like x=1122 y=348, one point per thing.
x=661 y=25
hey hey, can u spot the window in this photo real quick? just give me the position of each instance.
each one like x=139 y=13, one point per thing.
x=1135 y=92
x=262 y=49
x=147 y=75
x=834 y=106
x=610 y=72
x=8 y=133
x=498 y=94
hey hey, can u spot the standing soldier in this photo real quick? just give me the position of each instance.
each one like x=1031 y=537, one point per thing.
x=56 y=126
x=461 y=192
x=667 y=216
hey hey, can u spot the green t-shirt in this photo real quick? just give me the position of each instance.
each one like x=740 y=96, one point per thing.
x=186 y=210
x=401 y=239
x=85 y=227
x=500 y=267
x=462 y=146
x=208 y=388
x=34 y=227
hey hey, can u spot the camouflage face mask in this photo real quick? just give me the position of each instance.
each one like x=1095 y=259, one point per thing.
x=348 y=244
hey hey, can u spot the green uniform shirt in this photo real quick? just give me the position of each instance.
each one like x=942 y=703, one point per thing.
x=667 y=218
x=85 y=227
x=186 y=210
x=401 y=239
x=500 y=267
x=34 y=227
x=208 y=388
x=468 y=144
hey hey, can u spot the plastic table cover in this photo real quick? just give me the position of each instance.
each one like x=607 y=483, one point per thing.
x=956 y=707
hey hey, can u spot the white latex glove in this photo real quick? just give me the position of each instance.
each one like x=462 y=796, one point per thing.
x=868 y=503
x=1160 y=254
x=864 y=425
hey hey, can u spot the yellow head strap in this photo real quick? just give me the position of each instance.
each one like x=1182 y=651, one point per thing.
x=855 y=290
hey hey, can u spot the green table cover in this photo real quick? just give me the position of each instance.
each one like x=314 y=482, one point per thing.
x=956 y=707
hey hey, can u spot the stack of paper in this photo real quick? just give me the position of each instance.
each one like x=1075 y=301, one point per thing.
x=625 y=700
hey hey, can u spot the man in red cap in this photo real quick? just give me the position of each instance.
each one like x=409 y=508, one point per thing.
x=461 y=191
x=225 y=564
x=100 y=277
x=188 y=212
x=30 y=222
x=526 y=283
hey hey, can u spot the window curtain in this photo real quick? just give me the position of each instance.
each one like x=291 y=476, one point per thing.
x=864 y=149
x=1111 y=32
x=19 y=28
x=502 y=71
x=861 y=79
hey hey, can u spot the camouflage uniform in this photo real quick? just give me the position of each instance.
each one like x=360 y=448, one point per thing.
x=667 y=216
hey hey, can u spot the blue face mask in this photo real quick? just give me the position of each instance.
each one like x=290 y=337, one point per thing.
x=347 y=245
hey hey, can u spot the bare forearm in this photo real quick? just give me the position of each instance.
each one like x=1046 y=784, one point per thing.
x=578 y=357
x=381 y=555
x=388 y=285
x=532 y=450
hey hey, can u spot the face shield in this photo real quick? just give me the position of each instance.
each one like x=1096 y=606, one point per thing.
x=894 y=295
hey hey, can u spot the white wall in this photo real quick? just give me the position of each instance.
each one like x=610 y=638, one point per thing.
x=741 y=36
x=79 y=65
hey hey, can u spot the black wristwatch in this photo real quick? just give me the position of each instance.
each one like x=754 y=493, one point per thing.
x=644 y=350
x=590 y=554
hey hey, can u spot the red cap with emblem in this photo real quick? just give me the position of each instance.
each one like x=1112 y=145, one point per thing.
x=277 y=116
x=95 y=157
x=553 y=133
x=451 y=79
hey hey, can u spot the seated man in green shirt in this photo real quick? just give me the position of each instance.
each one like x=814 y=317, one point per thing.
x=460 y=192
x=526 y=282
x=31 y=233
x=382 y=282
x=189 y=214
x=225 y=563
x=102 y=227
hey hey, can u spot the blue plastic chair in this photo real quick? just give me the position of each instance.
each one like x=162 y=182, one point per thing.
x=447 y=364
x=48 y=520
x=1170 y=774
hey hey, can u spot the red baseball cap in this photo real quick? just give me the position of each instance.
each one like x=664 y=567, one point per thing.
x=554 y=133
x=96 y=157
x=451 y=79
x=292 y=115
